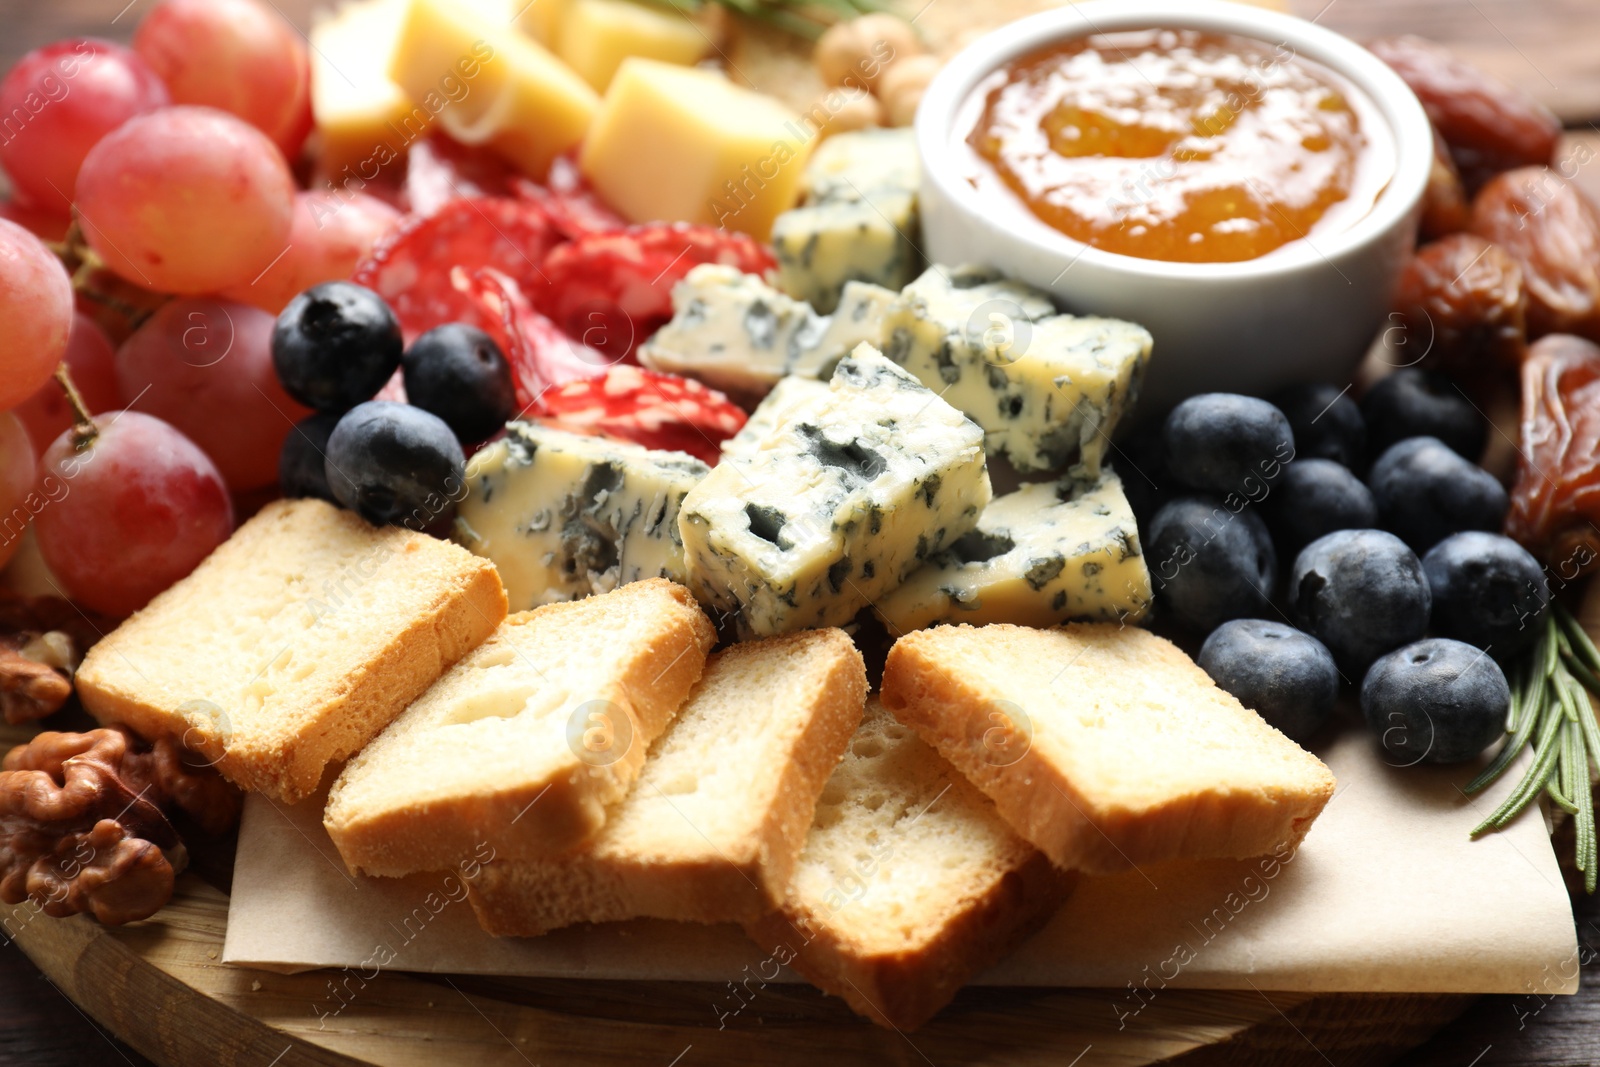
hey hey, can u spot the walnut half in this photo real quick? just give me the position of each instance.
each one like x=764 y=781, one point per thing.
x=84 y=826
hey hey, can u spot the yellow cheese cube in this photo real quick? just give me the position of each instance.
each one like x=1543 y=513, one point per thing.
x=488 y=84
x=681 y=144
x=542 y=19
x=365 y=120
x=599 y=34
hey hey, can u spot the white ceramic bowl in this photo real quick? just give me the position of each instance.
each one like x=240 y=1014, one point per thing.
x=1306 y=312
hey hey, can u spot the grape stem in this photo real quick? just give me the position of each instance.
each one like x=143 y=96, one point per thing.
x=84 y=430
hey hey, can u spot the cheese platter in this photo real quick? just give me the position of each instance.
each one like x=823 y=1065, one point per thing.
x=802 y=480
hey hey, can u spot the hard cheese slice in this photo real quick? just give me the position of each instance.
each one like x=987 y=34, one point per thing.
x=564 y=516
x=1046 y=388
x=687 y=145
x=854 y=492
x=736 y=333
x=493 y=85
x=1045 y=554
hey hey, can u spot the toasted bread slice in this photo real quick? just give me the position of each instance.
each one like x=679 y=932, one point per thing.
x=294 y=643
x=522 y=745
x=910 y=882
x=710 y=831
x=1104 y=745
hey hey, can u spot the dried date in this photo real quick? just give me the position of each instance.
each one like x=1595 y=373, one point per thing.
x=1465 y=297
x=1489 y=126
x=1551 y=229
x=1556 y=500
x=1445 y=209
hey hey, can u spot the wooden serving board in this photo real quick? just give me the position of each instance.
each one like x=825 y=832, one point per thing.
x=160 y=986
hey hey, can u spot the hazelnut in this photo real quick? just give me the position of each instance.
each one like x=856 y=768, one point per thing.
x=843 y=111
x=857 y=52
x=902 y=85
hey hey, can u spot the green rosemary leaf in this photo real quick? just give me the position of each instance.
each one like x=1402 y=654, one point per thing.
x=1578 y=640
x=1560 y=785
x=1585 y=848
x=1544 y=764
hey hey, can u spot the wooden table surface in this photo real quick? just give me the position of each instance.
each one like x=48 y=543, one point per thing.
x=1551 y=48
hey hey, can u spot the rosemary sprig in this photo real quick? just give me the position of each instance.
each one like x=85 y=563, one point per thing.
x=804 y=18
x=1550 y=709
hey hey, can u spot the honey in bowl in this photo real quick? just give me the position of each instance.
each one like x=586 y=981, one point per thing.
x=1179 y=145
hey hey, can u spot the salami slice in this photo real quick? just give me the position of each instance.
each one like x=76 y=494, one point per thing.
x=613 y=290
x=411 y=267
x=661 y=411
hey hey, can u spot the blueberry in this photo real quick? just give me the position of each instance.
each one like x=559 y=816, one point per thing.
x=1210 y=564
x=302 y=467
x=1422 y=403
x=1360 y=592
x=1326 y=422
x=1425 y=492
x=335 y=345
x=1226 y=443
x=1488 y=591
x=1285 y=676
x=459 y=373
x=1316 y=497
x=1437 y=701
x=395 y=464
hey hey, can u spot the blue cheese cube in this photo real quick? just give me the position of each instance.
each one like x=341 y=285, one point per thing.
x=786 y=397
x=1046 y=554
x=738 y=334
x=847 y=166
x=859 y=221
x=563 y=516
x=852 y=493
x=1047 y=388
x=821 y=246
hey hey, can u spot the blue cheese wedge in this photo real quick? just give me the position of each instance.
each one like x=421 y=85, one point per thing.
x=563 y=516
x=1049 y=553
x=1048 y=389
x=738 y=334
x=859 y=221
x=786 y=397
x=852 y=493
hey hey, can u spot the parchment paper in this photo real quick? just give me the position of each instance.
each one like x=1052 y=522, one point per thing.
x=1387 y=894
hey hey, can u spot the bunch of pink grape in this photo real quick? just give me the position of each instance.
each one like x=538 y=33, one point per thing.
x=170 y=163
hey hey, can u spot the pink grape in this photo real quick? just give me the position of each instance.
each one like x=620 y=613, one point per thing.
x=45 y=225
x=205 y=366
x=58 y=102
x=330 y=235
x=93 y=362
x=186 y=200
x=35 y=313
x=135 y=510
x=16 y=482
x=236 y=55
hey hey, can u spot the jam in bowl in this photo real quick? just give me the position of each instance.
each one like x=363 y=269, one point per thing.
x=1242 y=183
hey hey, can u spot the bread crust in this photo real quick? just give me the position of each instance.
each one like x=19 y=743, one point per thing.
x=1077 y=829
x=346 y=711
x=902 y=990
x=744 y=880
